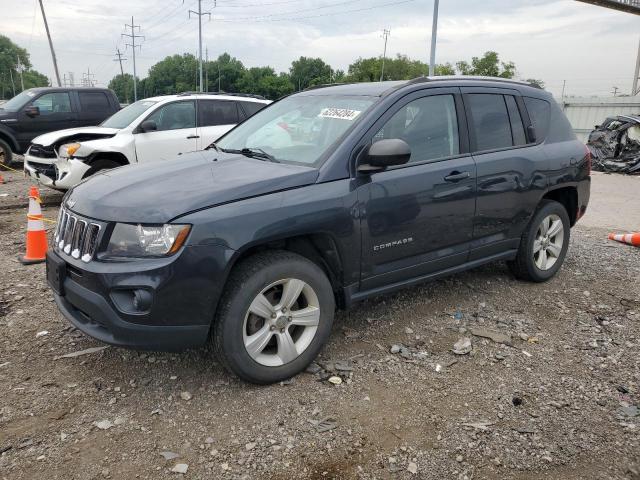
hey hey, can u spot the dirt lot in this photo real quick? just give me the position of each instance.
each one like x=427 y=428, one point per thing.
x=560 y=401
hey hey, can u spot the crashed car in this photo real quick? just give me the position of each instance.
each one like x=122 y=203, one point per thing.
x=158 y=128
x=615 y=145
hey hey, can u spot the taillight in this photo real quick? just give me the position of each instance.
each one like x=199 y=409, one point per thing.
x=587 y=159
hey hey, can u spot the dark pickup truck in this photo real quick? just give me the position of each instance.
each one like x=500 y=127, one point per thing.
x=41 y=110
x=318 y=201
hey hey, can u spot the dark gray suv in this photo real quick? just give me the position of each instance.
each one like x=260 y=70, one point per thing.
x=320 y=200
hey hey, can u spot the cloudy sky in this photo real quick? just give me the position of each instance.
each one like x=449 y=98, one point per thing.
x=592 y=48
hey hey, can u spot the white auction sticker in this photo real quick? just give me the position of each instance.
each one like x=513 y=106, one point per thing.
x=341 y=113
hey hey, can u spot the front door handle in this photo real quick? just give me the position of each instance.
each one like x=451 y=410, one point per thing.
x=193 y=136
x=456 y=176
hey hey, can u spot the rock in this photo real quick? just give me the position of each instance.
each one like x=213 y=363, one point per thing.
x=412 y=468
x=459 y=459
x=208 y=440
x=250 y=446
x=313 y=368
x=186 y=396
x=395 y=349
x=103 y=424
x=493 y=335
x=42 y=333
x=180 y=468
x=462 y=346
x=335 y=380
x=408 y=331
x=630 y=411
x=169 y=455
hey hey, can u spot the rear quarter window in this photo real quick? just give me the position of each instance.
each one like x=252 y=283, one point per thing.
x=252 y=107
x=94 y=101
x=539 y=114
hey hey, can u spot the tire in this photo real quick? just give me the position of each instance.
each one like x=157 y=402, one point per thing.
x=235 y=326
x=100 y=164
x=551 y=249
x=6 y=153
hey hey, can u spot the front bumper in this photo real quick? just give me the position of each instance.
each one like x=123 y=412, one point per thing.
x=184 y=289
x=58 y=173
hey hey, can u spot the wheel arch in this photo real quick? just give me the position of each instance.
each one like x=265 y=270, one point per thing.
x=10 y=139
x=116 y=157
x=567 y=196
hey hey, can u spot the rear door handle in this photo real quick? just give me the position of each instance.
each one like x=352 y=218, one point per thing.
x=456 y=176
x=193 y=136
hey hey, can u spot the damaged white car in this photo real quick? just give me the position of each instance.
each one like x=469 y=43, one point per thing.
x=153 y=129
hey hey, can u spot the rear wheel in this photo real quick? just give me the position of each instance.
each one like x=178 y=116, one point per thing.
x=274 y=317
x=100 y=164
x=544 y=244
x=6 y=154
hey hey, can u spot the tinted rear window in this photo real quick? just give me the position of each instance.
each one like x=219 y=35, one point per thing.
x=217 y=112
x=252 y=107
x=539 y=114
x=94 y=101
x=490 y=121
x=517 y=128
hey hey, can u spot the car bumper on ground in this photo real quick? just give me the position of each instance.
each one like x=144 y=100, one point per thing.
x=181 y=292
x=56 y=173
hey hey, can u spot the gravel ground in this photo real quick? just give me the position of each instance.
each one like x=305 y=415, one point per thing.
x=554 y=394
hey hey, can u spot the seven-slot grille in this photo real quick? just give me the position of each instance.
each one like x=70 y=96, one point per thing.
x=75 y=236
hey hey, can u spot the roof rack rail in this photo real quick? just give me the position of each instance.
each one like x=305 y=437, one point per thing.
x=470 y=77
x=325 y=85
x=247 y=95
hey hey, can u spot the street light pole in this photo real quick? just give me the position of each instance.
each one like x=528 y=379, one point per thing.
x=434 y=34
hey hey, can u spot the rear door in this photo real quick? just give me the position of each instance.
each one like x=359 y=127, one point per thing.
x=215 y=118
x=56 y=113
x=176 y=133
x=94 y=108
x=512 y=170
x=418 y=218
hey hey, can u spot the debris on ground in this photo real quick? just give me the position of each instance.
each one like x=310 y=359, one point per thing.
x=324 y=424
x=81 y=352
x=462 y=346
x=180 y=468
x=615 y=145
x=169 y=455
x=493 y=335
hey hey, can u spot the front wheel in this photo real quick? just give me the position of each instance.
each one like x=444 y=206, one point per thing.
x=274 y=317
x=544 y=244
x=6 y=154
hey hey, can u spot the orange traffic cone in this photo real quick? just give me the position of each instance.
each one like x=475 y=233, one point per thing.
x=630 y=238
x=36 y=234
x=2 y=179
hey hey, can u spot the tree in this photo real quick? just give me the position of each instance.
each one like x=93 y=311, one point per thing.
x=174 y=74
x=226 y=71
x=399 y=68
x=536 y=82
x=10 y=55
x=306 y=72
x=122 y=85
x=264 y=81
x=488 y=65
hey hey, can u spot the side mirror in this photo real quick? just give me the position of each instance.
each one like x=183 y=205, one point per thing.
x=148 y=126
x=385 y=153
x=32 y=111
x=531 y=133
x=596 y=127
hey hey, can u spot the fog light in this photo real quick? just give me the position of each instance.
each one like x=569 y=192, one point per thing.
x=132 y=301
x=142 y=300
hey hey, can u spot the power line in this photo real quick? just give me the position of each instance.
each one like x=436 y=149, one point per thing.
x=133 y=46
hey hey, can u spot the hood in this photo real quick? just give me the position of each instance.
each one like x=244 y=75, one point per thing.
x=85 y=133
x=161 y=191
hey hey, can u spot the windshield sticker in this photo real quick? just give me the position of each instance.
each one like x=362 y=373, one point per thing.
x=341 y=113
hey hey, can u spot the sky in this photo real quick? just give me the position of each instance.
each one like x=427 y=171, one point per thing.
x=592 y=48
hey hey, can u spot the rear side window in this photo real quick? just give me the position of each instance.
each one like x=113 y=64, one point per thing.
x=517 y=128
x=539 y=114
x=252 y=107
x=490 y=121
x=92 y=101
x=217 y=112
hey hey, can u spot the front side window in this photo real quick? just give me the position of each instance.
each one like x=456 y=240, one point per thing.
x=299 y=129
x=175 y=116
x=429 y=125
x=124 y=117
x=490 y=121
x=58 y=102
x=217 y=112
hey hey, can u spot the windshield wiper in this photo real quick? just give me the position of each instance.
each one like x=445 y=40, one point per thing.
x=253 y=152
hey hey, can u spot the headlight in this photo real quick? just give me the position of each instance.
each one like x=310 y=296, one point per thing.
x=68 y=149
x=146 y=240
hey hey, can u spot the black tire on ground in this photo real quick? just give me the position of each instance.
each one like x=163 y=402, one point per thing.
x=100 y=164
x=524 y=266
x=245 y=282
x=6 y=153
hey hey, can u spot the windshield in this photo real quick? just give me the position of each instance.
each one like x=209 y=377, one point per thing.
x=298 y=129
x=124 y=117
x=19 y=101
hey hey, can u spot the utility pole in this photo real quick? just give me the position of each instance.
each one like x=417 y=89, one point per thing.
x=385 y=35
x=206 y=72
x=634 y=90
x=133 y=46
x=218 y=62
x=19 y=68
x=13 y=85
x=86 y=80
x=434 y=35
x=72 y=82
x=119 y=59
x=200 y=13
x=615 y=91
x=53 y=53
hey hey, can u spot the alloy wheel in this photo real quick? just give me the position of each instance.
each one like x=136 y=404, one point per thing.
x=547 y=245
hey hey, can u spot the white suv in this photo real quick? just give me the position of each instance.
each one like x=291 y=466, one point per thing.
x=157 y=128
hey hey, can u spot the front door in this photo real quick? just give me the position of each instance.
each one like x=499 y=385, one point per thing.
x=418 y=218
x=55 y=113
x=176 y=133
